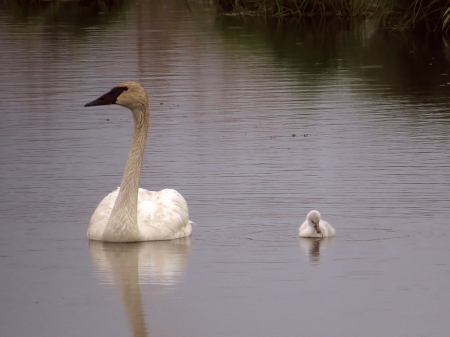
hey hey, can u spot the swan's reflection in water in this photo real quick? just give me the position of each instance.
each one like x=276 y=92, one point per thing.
x=314 y=246
x=130 y=265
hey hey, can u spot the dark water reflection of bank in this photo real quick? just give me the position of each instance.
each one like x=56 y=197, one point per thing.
x=72 y=17
x=408 y=64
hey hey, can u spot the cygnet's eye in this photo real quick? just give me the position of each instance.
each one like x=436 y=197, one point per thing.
x=125 y=88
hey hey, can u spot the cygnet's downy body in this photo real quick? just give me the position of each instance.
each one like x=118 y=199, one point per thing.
x=314 y=227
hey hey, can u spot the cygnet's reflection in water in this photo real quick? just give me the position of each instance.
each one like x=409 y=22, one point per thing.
x=314 y=246
x=130 y=265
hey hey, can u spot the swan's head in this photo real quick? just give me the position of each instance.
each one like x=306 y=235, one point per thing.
x=130 y=95
x=313 y=218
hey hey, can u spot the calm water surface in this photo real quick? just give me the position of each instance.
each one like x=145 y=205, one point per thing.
x=255 y=123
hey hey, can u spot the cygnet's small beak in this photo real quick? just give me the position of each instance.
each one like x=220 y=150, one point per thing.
x=108 y=98
x=316 y=227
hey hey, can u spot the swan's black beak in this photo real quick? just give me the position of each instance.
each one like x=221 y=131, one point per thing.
x=316 y=227
x=108 y=98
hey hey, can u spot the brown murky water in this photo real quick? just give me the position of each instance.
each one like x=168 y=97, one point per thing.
x=255 y=123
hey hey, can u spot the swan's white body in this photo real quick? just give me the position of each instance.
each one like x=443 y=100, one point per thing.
x=313 y=221
x=161 y=215
x=131 y=214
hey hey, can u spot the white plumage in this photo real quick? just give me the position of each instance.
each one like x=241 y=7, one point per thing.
x=161 y=215
x=130 y=213
x=315 y=227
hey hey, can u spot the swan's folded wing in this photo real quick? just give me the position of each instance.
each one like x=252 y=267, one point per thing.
x=162 y=215
x=327 y=228
x=101 y=216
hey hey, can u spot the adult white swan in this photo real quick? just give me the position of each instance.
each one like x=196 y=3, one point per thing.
x=314 y=227
x=131 y=213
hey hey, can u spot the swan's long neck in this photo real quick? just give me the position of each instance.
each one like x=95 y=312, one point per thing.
x=122 y=225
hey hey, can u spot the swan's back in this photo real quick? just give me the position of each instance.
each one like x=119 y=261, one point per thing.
x=326 y=228
x=161 y=215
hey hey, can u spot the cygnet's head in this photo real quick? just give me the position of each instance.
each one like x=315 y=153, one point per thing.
x=313 y=219
x=130 y=95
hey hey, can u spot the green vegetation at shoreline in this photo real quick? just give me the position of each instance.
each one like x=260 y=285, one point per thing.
x=415 y=15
